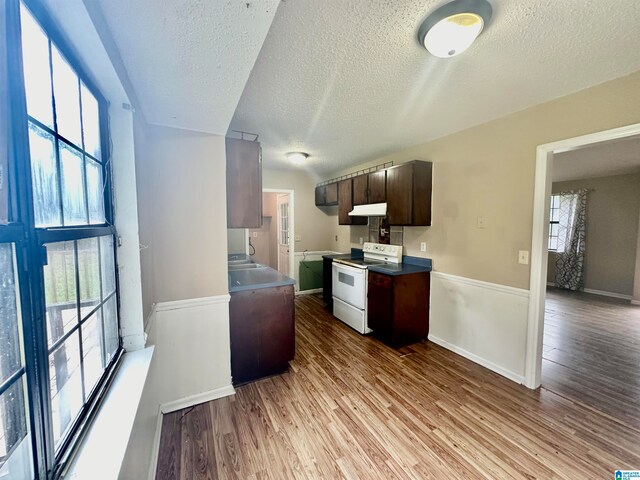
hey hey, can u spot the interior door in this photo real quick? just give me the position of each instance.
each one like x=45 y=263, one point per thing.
x=284 y=236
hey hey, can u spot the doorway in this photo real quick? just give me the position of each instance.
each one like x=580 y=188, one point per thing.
x=545 y=159
x=273 y=243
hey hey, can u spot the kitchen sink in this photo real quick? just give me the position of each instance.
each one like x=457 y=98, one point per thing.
x=239 y=261
x=244 y=266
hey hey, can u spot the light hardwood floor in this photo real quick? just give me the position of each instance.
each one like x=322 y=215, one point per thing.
x=351 y=407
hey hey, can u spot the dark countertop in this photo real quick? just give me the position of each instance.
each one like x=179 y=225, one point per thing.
x=255 y=278
x=408 y=265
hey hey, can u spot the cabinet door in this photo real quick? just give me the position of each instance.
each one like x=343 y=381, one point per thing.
x=380 y=305
x=345 y=204
x=276 y=323
x=400 y=194
x=244 y=184
x=360 y=190
x=321 y=195
x=331 y=194
x=378 y=187
x=245 y=338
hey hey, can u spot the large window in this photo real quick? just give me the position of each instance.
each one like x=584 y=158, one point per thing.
x=59 y=335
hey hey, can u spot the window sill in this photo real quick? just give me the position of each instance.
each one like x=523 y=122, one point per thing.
x=103 y=447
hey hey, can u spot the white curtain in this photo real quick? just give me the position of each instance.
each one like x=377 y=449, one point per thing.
x=571 y=240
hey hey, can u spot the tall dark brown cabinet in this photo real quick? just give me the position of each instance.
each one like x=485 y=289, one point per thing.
x=244 y=184
x=409 y=194
x=345 y=204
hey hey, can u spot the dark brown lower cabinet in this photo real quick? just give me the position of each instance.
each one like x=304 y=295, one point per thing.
x=262 y=329
x=398 y=307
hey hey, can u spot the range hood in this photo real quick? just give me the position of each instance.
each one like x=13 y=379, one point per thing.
x=371 y=210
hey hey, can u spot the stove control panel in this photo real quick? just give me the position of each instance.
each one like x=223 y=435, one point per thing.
x=393 y=251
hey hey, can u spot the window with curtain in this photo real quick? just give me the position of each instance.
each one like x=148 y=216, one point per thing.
x=58 y=289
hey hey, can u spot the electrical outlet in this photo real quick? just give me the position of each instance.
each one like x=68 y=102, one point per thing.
x=481 y=222
x=523 y=257
x=255 y=234
x=298 y=238
x=361 y=240
x=423 y=246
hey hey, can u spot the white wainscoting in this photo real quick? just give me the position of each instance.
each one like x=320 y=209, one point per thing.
x=484 y=322
x=309 y=256
x=191 y=365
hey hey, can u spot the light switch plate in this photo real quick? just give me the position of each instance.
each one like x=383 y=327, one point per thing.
x=255 y=234
x=423 y=246
x=481 y=222
x=523 y=257
x=361 y=240
x=298 y=238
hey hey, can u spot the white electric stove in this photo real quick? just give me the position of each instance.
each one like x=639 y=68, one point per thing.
x=350 y=284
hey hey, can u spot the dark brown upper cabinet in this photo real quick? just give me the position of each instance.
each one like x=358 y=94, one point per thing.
x=327 y=195
x=409 y=194
x=345 y=204
x=244 y=184
x=370 y=188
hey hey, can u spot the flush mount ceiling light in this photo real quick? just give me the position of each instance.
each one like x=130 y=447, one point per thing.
x=452 y=28
x=297 y=158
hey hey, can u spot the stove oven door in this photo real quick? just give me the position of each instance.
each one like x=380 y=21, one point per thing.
x=350 y=285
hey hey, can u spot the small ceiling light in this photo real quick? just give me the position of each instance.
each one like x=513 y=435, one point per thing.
x=452 y=28
x=297 y=158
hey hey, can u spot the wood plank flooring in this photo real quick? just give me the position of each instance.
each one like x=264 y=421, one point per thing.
x=350 y=407
x=591 y=352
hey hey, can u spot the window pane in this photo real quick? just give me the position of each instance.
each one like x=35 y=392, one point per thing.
x=66 y=385
x=553 y=230
x=60 y=289
x=95 y=192
x=37 y=76
x=15 y=443
x=111 y=327
x=10 y=357
x=92 y=350
x=73 y=201
x=555 y=214
x=44 y=178
x=553 y=243
x=90 y=122
x=66 y=92
x=108 y=266
x=89 y=274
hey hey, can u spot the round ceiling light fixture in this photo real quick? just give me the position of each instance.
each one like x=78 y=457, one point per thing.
x=297 y=158
x=452 y=28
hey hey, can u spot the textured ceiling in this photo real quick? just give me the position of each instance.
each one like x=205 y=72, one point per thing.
x=347 y=81
x=189 y=60
x=618 y=157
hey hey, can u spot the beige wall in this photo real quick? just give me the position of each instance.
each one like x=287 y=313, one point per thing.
x=613 y=209
x=488 y=171
x=315 y=226
x=636 y=283
x=183 y=210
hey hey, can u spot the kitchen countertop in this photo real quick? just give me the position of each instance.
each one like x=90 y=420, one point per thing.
x=256 y=278
x=355 y=253
x=408 y=265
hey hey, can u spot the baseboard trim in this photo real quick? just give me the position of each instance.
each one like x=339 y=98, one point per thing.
x=179 y=405
x=479 y=360
x=155 y=452
x=607 y=294
x=197 y=399
x=191 y=302
x=482 y=284
x=602 y=293
x=307 y=292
